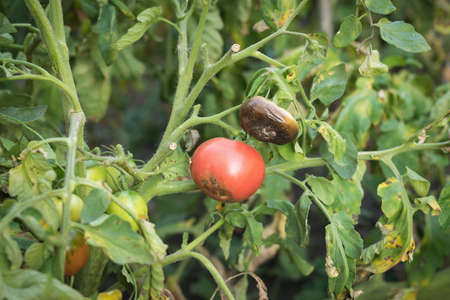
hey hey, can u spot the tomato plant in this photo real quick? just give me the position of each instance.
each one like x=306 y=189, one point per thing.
x=326 y=144
x=134 y=202
x=77 y=254
x=227 y=170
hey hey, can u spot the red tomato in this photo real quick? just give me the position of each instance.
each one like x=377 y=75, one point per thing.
x=77 y=255
x=227 y=170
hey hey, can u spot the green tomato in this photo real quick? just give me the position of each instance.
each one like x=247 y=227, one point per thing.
x=76 y=205
x=96 y=173
x=134 y=202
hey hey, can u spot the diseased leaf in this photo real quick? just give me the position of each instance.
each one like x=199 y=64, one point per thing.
x=397 y=242
x=225 y=235
x=175 y=166
x=382 y=7
x=276 y=12
x=119 y=242
x=349 y=31
x=350 y=238
x=336 y=144
x=329 y=85
x=254 y=232
x=402 y=35
x=428 y=205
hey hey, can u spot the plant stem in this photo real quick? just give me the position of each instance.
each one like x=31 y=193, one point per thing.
x=76 y=122
x=261 y=56
x=308 y=191
x=210 y=267
x=200 y=239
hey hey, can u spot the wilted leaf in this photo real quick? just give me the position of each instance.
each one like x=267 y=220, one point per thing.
x=106 y=27
x=402 y=35
x=428 y=205
x=372 y=65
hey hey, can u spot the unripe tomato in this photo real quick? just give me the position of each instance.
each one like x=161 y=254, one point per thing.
x=135 y=202
x=111 y=295
x=77 y=255
x=227 y=170
x=76 y=205
x=267 y=122
x=96 y=173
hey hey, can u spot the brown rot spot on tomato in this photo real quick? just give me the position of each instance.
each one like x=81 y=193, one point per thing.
x=215 y=191
x=267 y=122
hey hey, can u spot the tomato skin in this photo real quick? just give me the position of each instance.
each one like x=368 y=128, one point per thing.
x=135 y=202
x=111 y=295
x=96 y=173
x=77 y=255
x=76 y=205
x=227 y=170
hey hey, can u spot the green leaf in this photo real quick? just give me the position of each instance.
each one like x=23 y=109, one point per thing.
x=212 y=36
x=322 y=188
x=329 y=85
x=19 y=115
x=254 y=232
x=119 y=242
x=146 y=19
x=225 y=236
x=312 y=55
x=348 y=196
x=297 y=257
x=420 y=184
x=32 y=177
x=382 y=7
x=336 y=144
x=402 y=35
x=276 y=12
x=289 y=153
x=372 y=65
x=361 y=110
x=351 y=240
x=428 y=205
x=93 y=86
x=175 y=166
x=30 y=284
x=348 y=166
x=348 y=32
x=236 y=218
x=10 y=249
x=94 y=206
x=444 y=202
x=35 y=255
x=5 y=25
x=106 y=30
